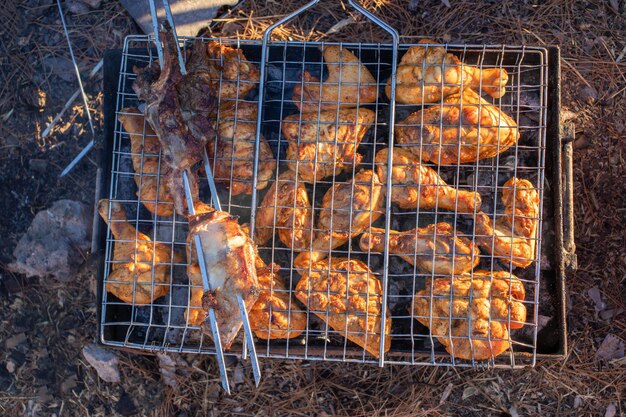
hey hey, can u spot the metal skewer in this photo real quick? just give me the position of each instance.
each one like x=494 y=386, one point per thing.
x=248 y=340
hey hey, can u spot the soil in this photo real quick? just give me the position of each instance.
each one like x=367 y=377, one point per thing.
x=44 y=324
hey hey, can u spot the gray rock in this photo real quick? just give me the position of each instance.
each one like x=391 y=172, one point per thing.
x=51 y=245
x=103 y=361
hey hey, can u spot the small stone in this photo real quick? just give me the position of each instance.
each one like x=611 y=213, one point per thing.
x=14 y=341
x=61 y=67
x=68 y=384
x=611 y=411
x=94 y=4
x=103 y=361
x=10 y=366
x=76 y=7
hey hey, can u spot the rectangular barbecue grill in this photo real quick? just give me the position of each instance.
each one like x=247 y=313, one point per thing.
x=531 y=99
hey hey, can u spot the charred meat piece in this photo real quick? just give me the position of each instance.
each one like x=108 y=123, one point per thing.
x=428 y=73
x=416 y=185
x=348 y=209
x=513 y=236
x=471 y=314
x=465 y=128
x=232 y=154
x=140 y=272
x=349 y=84
x=325 y=144
x=433 y=249
x=229 y=256
x=348 y=297
x=285 y=208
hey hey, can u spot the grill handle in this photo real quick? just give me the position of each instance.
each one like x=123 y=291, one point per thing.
x=569 y=245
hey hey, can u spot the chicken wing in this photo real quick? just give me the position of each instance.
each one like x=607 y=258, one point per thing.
x=471 y=314
x=233 y=152
x=229 y=68
x=433 y=249
x=349 y=84
x=275 y=314
x=325 y=144
x=348 y=209
x=416 y=185
x=426 y=74
x=285 y=208
x=140 y=271
x=513 y=237
x=229 y=256
x=348 y=297
x=465 y=128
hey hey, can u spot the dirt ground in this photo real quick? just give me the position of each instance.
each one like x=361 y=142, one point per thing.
x=49 y=376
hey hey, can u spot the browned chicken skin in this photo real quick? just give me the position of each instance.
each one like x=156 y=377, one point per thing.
x=349 y=84
x=232 y=154
x=230 y=257
x=285 y=208
x=140 y=272
x=325 y=145
x=275 y=315
x=348 y=209
x=348 y=297
x=230 y=69
x=432 y=67
x=433 y=249
x=465 y=128
x=482 y=303
x=416 y=184
x=513 y=236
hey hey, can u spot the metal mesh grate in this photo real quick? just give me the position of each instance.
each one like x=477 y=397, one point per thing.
x=410 y=277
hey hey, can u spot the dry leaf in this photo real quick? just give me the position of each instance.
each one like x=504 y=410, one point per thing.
x=446 y=3
x=612 y=347
x=596 y=296
x=614 y=5
x=446 y=393
x=611 y=410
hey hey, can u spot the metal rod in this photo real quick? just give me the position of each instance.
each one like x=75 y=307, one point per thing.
x=77 y=158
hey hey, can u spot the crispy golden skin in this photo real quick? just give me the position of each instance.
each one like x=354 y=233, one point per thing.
x=285 y=208
x=346 y=295
x=230 y=256
x=349 y=84
x=513 y=236
x=465 y=128
x=433 y=249
x=325 y=145
x=350 y=208
x=275 y=315
x=147 y=179
x=230 y=69
x=485 y=302
x=232 y=153
x=432 y=67
x=140 y=272
x=415 y=184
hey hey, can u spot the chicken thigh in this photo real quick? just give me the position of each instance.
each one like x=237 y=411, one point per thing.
x=348 y=297
x=325 y=144
x=434 y=249
x=512 y=237
x=140 y=271
x=471 y=314
x=426 y=74
x=232 y=71
x=416 y=185
x=286 y=209
x=466 y=128
x=348 y=209
x=349 y=84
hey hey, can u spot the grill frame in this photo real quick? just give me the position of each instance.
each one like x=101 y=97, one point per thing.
x=553 y=159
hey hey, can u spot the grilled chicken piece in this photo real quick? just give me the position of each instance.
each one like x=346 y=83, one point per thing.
x=465 y=128
x=233 y=152
x=433 y=249
x=416 y=185
x=229 y=256
x=426 y=74
x=349 y=84
x=513 y=237
x=178 y=109
x=484 y=308
x=348 y=297
x=140 y=272
x=235 y=75
x=348 y=209
x=325 y=144
x=285 y=208
x=275 y=314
